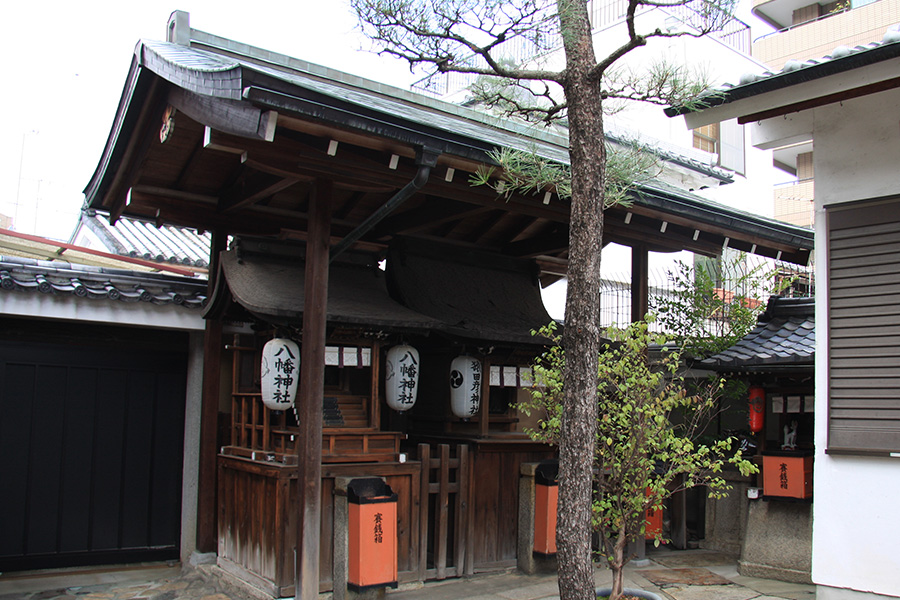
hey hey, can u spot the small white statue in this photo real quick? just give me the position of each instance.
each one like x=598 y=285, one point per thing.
x=790 y=437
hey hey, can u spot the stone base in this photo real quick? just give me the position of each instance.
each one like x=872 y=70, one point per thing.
x=726 y=518
x=778 y=541
x=203 y=558
x=748 y=569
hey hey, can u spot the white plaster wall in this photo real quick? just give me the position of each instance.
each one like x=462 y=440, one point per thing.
x=857 y=149
x=855 y=519
x=135 y=314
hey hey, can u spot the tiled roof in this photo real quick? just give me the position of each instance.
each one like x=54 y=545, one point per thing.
x=211 y=67
x=689 y=158
x=22 y=275
x=841 y=59
x=170 y=244
x=784 y=336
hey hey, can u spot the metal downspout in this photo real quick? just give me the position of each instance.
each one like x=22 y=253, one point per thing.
x=426 y=159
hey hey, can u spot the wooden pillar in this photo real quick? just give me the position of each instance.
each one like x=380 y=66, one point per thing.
x=310 y=396
x=640 y=286
x=640 y=305
x=209 y=416
x=484 y=417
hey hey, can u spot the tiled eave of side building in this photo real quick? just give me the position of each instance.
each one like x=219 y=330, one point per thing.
x=133 y=238
x=863 y=69
x=783 y=340
x=58 y=290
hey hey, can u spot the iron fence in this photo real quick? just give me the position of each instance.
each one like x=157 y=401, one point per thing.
x=751 y=281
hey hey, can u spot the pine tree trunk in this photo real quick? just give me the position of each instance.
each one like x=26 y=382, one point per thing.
x=581 y=333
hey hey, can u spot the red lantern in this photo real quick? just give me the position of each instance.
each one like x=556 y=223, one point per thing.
x=757 y=408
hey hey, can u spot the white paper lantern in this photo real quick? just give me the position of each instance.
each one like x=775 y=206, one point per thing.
x=465 y=386
x=401 y=381
x=280 y=373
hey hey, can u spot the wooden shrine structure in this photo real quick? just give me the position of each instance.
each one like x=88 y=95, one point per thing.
x=316 y=176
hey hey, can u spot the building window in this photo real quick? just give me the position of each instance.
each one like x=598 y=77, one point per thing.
x=726 y=141
x=706 y=138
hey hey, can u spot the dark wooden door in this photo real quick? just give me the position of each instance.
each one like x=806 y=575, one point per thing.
x=91 y=442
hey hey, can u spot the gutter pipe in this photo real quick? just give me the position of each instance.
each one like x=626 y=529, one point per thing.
x=426 y=159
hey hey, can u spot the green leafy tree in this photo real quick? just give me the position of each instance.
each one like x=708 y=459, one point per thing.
x=712 y=304
x=648 y=432
x=472 y=36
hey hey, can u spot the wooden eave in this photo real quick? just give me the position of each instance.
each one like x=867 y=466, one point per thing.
x=239 y=183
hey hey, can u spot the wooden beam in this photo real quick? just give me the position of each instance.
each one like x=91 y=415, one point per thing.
x=485 y=225
x=290 y=157
x=430 y=213
x=349 y=204
x=174 y=194
x=231 y=116
x=135 y=151
x=484 y=417
x=551 y=242
x=311 y=393
x=649 y=236
x=834 y=98
x=207 y=507
x=689 y=224
x=182 y=210
x=189 y=167
x=252 y=189
x=352 y=167
x=532 y=206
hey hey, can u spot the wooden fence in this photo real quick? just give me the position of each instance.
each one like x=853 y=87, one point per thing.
x=445 y=497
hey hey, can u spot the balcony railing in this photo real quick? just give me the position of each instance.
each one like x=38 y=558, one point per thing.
x=794 y=203
x=803 y=24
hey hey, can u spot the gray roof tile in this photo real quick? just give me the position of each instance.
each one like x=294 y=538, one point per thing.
x=784 y=335
x=181 y=246
x=22 y=275
x=794 y=72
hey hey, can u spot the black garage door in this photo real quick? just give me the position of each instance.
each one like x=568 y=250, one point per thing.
x=90 y=448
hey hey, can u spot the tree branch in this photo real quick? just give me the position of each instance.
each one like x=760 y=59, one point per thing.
x=450 y=35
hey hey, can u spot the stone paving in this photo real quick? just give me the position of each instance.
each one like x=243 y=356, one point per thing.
x=681 y=576
x=162 y=583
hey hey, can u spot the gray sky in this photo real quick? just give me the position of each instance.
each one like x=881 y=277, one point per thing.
x=65 y=64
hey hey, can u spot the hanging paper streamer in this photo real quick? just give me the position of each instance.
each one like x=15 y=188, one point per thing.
x=465 y=386
x=401 y=381
x=280 y=373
